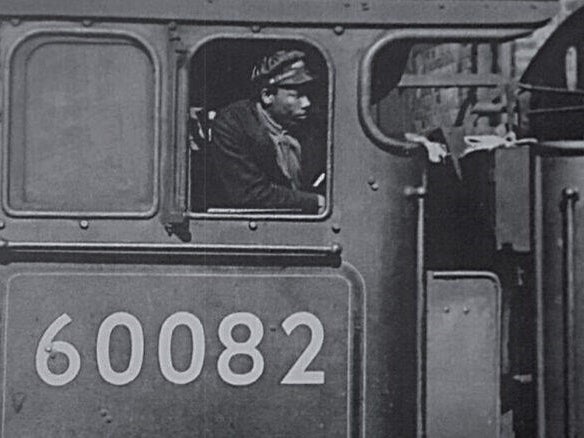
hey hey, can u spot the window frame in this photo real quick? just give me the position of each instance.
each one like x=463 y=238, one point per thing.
x=9 y=73
x=244 y=213
x=460 y=35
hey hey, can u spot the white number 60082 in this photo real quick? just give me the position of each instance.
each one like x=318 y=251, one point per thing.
x=297 y=375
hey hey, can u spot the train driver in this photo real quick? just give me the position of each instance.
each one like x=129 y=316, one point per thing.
x=255 y=144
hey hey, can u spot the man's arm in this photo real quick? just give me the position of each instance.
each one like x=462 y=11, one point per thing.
x=245 y=184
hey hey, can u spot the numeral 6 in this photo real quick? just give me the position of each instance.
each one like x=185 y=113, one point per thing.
x=47 y=347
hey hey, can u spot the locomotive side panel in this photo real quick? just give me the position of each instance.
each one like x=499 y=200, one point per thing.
x=101 y=350
x=370 y=220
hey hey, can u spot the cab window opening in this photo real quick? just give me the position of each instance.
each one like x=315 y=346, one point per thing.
x=452 y=98
x=439 y=90
x=258 y=144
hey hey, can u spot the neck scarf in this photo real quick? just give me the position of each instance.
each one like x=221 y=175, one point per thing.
x=288 y=149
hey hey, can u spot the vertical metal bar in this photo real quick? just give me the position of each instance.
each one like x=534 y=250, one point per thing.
x=420 y=194
x=537 y=235
x=176 y=179
x=569 y=198
x=421 y=310
x=181 y=134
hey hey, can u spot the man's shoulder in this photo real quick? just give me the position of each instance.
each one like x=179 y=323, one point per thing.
x=240 y=110
x=238 y=118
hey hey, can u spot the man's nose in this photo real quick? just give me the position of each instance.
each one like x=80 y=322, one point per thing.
x=304 y=101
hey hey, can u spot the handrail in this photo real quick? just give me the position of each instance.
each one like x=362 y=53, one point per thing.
x=546 y=89
x=419 y=194
x=559 y=109
x=569 y=198
x=8 y=246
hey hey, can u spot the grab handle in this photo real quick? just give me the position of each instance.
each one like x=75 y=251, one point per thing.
x=569 y=198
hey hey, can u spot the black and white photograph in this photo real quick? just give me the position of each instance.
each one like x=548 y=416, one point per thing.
x=292 y=218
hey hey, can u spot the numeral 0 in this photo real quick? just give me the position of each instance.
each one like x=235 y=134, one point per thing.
x=297 y=375
x=136 y=348
x=164 y=346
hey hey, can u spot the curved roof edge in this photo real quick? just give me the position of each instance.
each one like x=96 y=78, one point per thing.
x=552 y=54
x=378 y=13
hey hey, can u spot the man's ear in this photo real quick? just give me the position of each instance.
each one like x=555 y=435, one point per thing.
x=267 y=96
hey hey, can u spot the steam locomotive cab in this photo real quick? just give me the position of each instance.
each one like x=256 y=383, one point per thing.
x=134 y=305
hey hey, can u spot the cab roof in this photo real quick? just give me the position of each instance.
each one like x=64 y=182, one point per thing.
x=376 y=13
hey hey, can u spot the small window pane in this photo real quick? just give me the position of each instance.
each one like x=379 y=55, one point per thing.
x=82 y=127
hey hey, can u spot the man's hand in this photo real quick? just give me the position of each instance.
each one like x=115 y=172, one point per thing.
x=321 y=203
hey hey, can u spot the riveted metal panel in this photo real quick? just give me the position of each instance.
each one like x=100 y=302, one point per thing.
x=150 y=404
x=463 y=354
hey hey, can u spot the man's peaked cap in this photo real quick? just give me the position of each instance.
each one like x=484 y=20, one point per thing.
x=284 y=67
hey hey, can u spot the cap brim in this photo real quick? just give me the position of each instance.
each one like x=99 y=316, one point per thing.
x=302 y=77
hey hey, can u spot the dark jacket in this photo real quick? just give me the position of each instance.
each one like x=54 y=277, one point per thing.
x=245 y=164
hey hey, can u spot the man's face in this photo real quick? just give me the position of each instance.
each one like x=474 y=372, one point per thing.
x=290 y=105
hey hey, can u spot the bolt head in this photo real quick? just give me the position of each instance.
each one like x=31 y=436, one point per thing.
x=337 y=248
